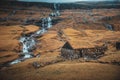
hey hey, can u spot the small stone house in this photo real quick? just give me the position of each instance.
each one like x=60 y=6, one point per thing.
x=75 y=50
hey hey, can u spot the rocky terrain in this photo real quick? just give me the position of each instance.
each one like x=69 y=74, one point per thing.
x=83 y=26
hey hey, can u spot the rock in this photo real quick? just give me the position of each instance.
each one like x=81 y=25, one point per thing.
x=36 y=65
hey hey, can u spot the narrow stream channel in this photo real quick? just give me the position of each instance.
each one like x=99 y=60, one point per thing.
x=29 y=42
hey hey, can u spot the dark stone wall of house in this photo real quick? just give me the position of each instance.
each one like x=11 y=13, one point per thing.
x=93 y=53
x=70 y=54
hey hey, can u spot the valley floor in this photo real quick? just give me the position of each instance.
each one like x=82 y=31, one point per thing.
x=81 y=24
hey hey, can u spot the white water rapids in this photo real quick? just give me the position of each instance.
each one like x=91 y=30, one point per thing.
x=29 y=42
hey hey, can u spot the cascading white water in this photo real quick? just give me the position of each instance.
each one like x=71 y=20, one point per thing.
x=56 y=10
x=49 y=22
x=29 y=42
x=55 y=7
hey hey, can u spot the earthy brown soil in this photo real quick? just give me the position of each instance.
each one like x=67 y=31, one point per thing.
x=81 y=25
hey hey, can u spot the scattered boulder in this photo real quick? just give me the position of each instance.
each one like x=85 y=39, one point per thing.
x=36 y=65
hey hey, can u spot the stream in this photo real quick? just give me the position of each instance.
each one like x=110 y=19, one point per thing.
x=29 y=42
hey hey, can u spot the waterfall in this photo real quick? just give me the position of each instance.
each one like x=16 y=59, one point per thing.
x=56 y=10
x=49 y=22
x=29 y=42
x=55 y=6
